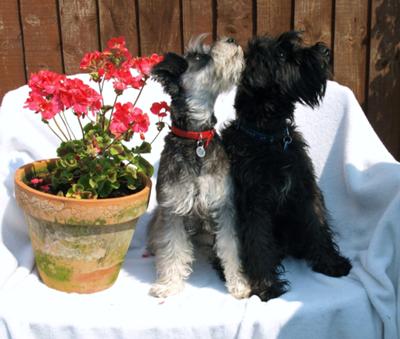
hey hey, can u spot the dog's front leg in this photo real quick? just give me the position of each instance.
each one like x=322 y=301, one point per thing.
x=316 y=242
x=174 y=255
x=261 y=256
x=227 y=249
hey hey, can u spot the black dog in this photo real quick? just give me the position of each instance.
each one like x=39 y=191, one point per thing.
x=281 y=210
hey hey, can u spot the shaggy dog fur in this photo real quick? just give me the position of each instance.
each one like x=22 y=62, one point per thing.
x=194 y=193
x=280 y=208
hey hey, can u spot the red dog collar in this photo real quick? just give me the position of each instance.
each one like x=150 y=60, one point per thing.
x=205 y=136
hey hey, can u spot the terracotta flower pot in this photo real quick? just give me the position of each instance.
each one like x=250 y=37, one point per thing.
x=79 y=245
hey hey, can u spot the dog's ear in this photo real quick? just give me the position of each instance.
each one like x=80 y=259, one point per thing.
x=169 y=71
x=293 y=37
x=255 y=73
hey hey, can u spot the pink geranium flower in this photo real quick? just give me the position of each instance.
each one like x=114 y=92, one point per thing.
x=116 y=63
x=118 y=48
x=160 y=109
x=46 y=83
x=128 y=118
x=47 y=106
x=144 y=65
x=36 y=181
x=92 y=61
x=124 y=79
x=141 y=122
x=52 y=93
x=81 y=97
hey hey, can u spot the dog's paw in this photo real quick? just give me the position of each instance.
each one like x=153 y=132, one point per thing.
x=240 y=288
x=338 y=267
x=266 y=290
x=159 y=290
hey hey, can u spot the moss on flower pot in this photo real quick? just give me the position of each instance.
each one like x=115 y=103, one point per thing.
x=79 y=244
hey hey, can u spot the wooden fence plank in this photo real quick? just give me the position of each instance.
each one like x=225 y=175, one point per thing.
x=274 y=17
x=11 y=52
x=118 y=18
x=79 y=26
x=197 y=18
x=159 y=25
x=164 y=24
x=41 y=36
x=384 y=76
x=314 y=17
x=350 y=45
x=235 y=18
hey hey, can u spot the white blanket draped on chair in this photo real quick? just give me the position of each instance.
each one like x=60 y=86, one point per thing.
x=361 y=183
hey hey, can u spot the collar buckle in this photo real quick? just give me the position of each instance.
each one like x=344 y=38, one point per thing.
x=203 y=138
x=287 y=139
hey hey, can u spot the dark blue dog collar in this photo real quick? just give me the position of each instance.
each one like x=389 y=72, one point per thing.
x=269 y=139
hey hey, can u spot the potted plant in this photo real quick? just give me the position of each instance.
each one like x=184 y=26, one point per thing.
x=82 y=207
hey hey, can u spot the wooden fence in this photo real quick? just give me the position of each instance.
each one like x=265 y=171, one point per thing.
x=364 y=36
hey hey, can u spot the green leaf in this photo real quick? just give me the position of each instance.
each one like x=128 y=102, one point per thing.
x=106 y=108
x=75 y=191
x=88 y=127
x=132 y=187
x=112 y=176
x=116 y=149
x=92 y=183
x=144 y=166
x=145 y=147
x=115 y=185
x=89 y=194
x=131 y=171
x=160 y=125
x=131 y=183
x=105 y=188
x=84 y=180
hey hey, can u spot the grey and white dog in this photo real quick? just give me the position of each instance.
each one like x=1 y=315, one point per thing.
x=194 y=187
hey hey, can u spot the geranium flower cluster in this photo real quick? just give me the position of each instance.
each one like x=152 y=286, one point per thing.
x=117 y=64
x=52 y=93
x=128 y=118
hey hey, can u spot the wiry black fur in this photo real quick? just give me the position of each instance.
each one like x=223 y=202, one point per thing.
x=281 y=210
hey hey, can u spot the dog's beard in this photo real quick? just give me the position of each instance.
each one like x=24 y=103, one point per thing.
x=228 y=64
x=221 y=74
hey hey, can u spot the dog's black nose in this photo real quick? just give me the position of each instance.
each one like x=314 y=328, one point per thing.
x=324 y=50
x=327 y=52
x=231 y=40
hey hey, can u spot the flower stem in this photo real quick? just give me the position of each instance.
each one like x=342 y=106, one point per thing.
x=118 y=138
x=140 y=92
x=55 y=133
x=154 y=139
x=72 y=132
x=64 y=121
x=112 y=111
x=80 y=124
x=100 y=89
x=59 y=128
x=100 y=116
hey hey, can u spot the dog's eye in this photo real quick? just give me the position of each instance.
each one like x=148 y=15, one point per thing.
x=281 y=55
x=198 y=60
